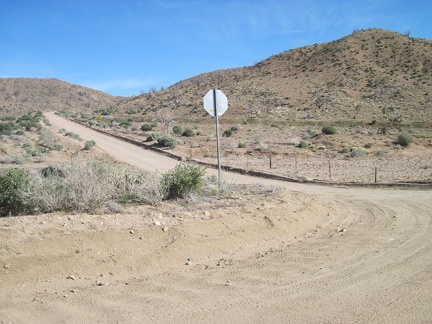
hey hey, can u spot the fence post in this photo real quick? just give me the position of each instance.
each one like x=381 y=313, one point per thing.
x=376 y=171
x=329 y=169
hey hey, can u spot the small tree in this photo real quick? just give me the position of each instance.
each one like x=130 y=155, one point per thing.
x=166 y=120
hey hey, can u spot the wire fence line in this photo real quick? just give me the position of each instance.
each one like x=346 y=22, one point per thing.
x=393 y=169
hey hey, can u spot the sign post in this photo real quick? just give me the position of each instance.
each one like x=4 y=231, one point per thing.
x=216 y=103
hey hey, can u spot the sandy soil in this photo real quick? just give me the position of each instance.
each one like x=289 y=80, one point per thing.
x=275 y=252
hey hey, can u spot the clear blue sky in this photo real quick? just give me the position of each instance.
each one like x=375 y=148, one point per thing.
x=123 y=47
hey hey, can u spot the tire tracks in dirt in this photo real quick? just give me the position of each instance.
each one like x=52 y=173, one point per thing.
x=377 y=270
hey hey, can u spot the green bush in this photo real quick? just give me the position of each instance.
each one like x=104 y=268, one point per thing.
x=241 y=145
x=55 y=147
x=303 y=144
x=227 y=133
x=73 y=135
x=89 y=145
x=152 y=137
x=146 y=127
x=328 y=130
x=167 y=141
x=185 y=179
x=52 y=171
x=177 y=130
x=404 y=139
x=13 y=184
x=188 y=132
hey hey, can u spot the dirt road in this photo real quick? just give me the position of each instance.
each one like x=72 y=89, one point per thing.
x=293 y=254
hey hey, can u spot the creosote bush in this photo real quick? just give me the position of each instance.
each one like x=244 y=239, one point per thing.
x=303 y=144
x=188 y=132
x=329 y=130
x=89 y=145
x=146 y=127
x=167 y=141
x=186 y=178
x=404 y=139
x=13 y=184
x=177 y=130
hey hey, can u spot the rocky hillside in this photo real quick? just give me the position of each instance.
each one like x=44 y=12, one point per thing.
x=371 y=75
x=18 y=95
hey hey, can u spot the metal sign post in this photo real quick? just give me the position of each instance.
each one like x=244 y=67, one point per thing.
x=217 y=135
x=216 y=103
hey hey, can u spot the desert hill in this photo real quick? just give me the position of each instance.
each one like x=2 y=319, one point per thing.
x=369 y=75
x=19 y=95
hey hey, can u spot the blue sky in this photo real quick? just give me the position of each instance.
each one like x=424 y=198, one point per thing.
x=124 y=47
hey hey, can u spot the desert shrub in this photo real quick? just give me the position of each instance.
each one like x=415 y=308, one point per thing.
x=89 y=145
x=88 y=186
x=345 y=150
x=234 y=129
x=152 y=137
x=186 y=178
x=73 y=135
x=328 y=130
x=188 y=132
x=241 y=145
x=52 y=171
x=227 y=133
x=139 y=187
x=55 y=147
x=167 y=141
x=368 y=145
x=14 y=159
x=358 y=152
x=303 y=144
x=177 y=130
x=146 y=127
x=13 y=184
x=404 y=139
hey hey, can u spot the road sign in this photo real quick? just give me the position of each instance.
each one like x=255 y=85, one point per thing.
x=221 y=102
x=216 y=103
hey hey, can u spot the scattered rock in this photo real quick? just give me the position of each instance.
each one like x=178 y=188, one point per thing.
x=71 y=277
x=7 y=266
x=131 y=232
x=165 y=229
x=207 y=213
x=157 y=223
x=189 y=261
x=99 y=283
